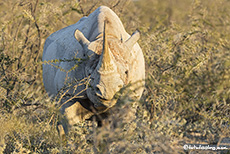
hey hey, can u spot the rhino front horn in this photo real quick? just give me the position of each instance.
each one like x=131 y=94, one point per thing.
x=81 y=38
x=132 y=40
x=106 y=63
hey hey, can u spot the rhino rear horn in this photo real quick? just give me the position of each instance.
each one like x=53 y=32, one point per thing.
x=81 y=38
x=133 y=39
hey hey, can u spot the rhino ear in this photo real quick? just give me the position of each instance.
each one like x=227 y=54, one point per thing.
x=81 y=39
x=133 y=39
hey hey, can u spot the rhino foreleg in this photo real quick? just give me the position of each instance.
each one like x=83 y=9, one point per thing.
x=74 y=112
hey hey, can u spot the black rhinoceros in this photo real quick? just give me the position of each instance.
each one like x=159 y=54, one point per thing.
x=98 y=58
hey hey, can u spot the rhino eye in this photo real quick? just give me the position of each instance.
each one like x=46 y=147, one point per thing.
x=126 y=72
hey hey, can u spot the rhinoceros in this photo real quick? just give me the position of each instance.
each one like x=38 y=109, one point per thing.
x=95 y=58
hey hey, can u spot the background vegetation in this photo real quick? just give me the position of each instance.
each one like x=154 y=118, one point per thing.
x=186 y=45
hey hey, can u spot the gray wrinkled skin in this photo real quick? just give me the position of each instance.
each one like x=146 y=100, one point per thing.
x=110 y=60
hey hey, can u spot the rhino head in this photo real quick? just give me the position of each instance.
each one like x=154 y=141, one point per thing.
x=108 y=64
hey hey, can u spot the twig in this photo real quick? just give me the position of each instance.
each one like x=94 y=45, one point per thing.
x=88 y=12
x=82 y=11
x=118 y=2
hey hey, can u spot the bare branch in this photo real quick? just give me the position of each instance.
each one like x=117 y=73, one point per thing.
x=88 y=12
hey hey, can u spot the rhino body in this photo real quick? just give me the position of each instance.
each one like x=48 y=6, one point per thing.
x=96 y=57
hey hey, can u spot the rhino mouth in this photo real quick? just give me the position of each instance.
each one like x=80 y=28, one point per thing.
x=102 y=99
x=105 y=102
x=100 y=102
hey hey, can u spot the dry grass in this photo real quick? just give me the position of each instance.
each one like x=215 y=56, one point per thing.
x=186 y=100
